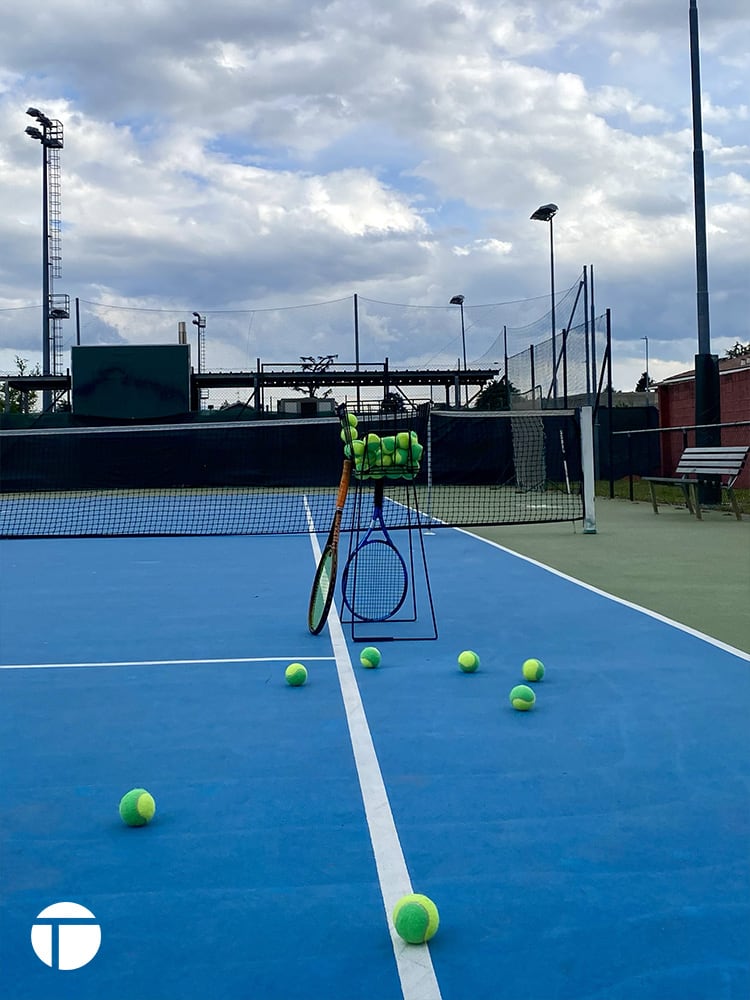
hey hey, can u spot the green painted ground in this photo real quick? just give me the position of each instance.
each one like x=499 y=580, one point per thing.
x=695 y=572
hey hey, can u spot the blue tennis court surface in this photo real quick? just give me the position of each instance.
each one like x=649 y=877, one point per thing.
x=595 y=848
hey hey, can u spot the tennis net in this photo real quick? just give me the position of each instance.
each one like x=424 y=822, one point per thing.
x=270 y=476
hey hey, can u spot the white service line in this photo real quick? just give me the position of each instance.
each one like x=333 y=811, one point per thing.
x=162 y=663
x=414 y=962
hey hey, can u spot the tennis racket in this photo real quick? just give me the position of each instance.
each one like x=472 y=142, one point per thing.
x=321 y=595
x=375 y=579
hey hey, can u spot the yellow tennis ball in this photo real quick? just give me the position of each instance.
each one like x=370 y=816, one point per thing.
x=522 y=698
x=389 y=444
x=370 y=657
x=137 y=807
x=349 y=434
x=358 y=448
x=533 y=670
x=403 y=439
x=415 y=918
x=296 y=674
x=352 y=419
x=468 y=661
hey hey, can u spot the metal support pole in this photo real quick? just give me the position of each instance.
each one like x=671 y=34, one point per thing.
x=707 y=388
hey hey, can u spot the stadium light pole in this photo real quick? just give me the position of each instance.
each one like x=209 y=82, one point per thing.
x=47 y=136
x=646 y=339
x=458 y=300
x=546 y=213
x=707 y=387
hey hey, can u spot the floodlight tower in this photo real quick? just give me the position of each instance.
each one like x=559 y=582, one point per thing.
x=200 y=322
x=546 y=213
x=55 y=308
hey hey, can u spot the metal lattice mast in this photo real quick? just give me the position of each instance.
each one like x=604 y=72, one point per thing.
x=59 y=305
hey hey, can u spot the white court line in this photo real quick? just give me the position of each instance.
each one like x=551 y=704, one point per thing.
x=414 y=962
x=160 y=663
x=613 y=597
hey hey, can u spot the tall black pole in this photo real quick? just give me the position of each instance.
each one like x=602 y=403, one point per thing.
x=707 y=391
x=356 y=344
x=554 y=325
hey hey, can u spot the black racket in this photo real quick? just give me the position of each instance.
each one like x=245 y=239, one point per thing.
x=321 y=595
x=375 y=579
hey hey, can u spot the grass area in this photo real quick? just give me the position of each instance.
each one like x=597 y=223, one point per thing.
x=664 y=494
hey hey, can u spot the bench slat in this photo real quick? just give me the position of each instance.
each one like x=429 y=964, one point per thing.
x=722 y=462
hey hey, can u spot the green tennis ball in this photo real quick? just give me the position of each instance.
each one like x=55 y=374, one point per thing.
x=137 y=807
x=295 y=674
x=370 y=657
x=533 y=670
x=415 y=918
x=522 y=698
x=358 y=448
x=389 y=444
x=373 y=441
x=403 y=439
x=401 y=456
x=416 y=451
x=352 y=419
x=349 y=433
x=468 y=661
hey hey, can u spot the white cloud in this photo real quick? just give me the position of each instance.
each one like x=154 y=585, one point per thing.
x=243 y=157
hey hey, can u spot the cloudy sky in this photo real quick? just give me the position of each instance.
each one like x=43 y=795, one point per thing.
x=261 y=164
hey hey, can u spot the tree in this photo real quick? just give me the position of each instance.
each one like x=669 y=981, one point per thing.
x=321 y=364
x=496 y=395
x=15 y=401
x=644 y=383
x=739 y=350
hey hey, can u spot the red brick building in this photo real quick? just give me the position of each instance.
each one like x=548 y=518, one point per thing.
x=677 y=409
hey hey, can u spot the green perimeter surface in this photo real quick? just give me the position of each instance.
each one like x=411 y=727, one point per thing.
x=695 y=572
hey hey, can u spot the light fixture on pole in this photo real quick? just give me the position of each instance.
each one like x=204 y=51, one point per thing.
x=50 y=135
x=546 y=213
x=458 y=300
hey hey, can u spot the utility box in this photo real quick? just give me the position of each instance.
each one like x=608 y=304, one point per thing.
x=307 y=406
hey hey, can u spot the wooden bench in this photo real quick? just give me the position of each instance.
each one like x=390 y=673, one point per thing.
x=694 y=468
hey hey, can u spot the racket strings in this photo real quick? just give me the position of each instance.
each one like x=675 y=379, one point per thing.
x=376 y=581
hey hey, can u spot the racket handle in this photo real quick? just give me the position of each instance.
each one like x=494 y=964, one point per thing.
x=344 y=485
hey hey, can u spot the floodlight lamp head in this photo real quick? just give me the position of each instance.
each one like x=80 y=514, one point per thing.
x=457 y=300
x=545 y=213
x=34 y=133
x=34 y=112
x=197 y=315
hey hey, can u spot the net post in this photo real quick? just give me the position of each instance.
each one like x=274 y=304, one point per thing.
x=587 y=463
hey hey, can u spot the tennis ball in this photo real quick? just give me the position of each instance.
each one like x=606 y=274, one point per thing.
x=533 y=670
x=468 y=661
x=137 y=807
x=401 y=457
x=522 y=698
x=416 y=451
x=370 y=657
x=403 y=439
x=389 y=444
x=352 y=419
x=295 y=674
x=373 y=441
x=358 y=448
x=349 y=434
x=415 y=918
